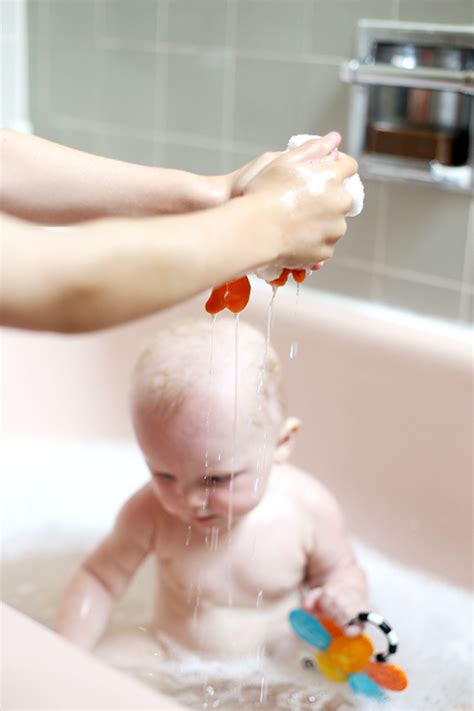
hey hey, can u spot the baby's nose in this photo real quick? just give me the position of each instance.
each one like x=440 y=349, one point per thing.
x=198 y=498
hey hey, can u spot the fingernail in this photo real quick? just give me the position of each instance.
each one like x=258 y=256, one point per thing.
x=333 y=136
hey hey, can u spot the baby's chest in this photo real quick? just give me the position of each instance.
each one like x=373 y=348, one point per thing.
x=248 y=568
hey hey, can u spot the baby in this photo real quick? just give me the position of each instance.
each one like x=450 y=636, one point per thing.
x=240 y=536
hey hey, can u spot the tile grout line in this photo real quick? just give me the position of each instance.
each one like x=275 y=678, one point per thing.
x=228 y=93
x=160 y=137
x=421 y=278
x=466 y=288
x=379 y=252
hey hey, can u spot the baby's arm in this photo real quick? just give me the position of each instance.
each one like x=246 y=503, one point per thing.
x=105 y=574
x=338 y=586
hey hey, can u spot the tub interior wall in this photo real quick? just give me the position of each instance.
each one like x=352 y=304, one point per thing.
x=385 y=404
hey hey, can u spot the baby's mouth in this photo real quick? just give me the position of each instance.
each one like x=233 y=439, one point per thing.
x=204 y=517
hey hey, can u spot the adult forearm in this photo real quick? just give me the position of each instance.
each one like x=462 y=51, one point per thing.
x=51 y=184
x=108 y=272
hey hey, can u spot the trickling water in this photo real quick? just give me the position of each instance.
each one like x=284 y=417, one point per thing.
x=214 y=542
x=294 y=344
x=263 y=691
x=188 y=536
x=263 y=448
x=234 y=428
x=209 y=405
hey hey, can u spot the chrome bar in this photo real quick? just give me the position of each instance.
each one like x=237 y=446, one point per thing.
x=377 y=74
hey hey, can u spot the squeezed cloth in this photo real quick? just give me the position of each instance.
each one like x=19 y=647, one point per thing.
x=352 y=185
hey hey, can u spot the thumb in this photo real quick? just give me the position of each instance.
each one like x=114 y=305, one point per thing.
x=310 y=602
x=316 y=148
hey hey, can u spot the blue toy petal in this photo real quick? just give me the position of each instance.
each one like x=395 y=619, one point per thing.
x=309 y=629
x=362 y=684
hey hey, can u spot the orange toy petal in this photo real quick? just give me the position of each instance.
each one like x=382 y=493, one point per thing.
x=298 y=275
x=282 y=279
x=387 y=675
x=216 y=301
x=330 y=626
x=328 y=668
x=350 y=654
x=237 y=294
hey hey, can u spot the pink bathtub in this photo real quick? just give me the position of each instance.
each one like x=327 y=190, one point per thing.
x=386 y=404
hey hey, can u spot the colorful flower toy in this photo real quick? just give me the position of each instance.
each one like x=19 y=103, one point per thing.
x=342 y=658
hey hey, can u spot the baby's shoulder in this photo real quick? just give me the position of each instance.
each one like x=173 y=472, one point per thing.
x=306 y=491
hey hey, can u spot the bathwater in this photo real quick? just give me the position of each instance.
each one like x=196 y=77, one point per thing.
x=432 y=618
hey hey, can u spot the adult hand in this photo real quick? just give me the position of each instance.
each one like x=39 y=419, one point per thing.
x=304 y=190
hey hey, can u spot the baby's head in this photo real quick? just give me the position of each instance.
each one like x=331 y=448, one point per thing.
x=183 y=414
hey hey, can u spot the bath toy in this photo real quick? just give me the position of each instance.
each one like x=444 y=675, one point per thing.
x=234 y=295
x=342 y=658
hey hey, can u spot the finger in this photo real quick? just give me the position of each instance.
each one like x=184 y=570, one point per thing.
x=311 y=599
x=354 y=630
x=345 y=166
x=316 y=148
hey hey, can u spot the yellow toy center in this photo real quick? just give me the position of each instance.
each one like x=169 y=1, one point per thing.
x=350 y=654
x=329 y=669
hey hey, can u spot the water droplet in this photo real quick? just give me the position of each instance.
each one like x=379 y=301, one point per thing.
x=188 y=536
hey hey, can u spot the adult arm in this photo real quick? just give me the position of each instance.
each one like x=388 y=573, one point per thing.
x=114 y=270
x=47 y=183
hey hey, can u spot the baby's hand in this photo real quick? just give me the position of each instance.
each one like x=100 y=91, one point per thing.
x=340 y=602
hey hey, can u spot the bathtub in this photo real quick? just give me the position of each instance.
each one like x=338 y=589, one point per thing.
x=385 y=401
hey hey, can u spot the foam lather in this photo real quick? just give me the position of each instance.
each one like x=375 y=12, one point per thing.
x=352 y=185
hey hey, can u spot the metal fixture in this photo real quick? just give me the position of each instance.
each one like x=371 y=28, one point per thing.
x=412 y=112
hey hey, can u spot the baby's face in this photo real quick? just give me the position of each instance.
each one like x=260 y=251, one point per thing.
x=199 y=474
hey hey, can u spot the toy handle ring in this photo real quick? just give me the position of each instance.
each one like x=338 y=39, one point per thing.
x=378 y=621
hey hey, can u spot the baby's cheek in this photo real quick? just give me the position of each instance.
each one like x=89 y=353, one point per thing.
x=167 y=498
x=242 y=500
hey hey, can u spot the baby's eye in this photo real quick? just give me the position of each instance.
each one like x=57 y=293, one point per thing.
x=163 y=476
x=216 y=480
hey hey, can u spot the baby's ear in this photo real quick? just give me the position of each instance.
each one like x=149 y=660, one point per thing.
x=286 y=439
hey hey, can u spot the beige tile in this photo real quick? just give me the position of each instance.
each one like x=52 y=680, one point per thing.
x=334 y=23
x=195 y=94
x=327 y=101
x=38 y=59
x=74 y=81
x=204 y=161
x=419 y=298
x=129 y=20
x=271 y=102
x=198 y=22
x=426 y=230
x=274 y=26
x=82 y=140
x=342 y=280
x=130 y=149
x=445 y=11
x=127 y=90
x=72 y=23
